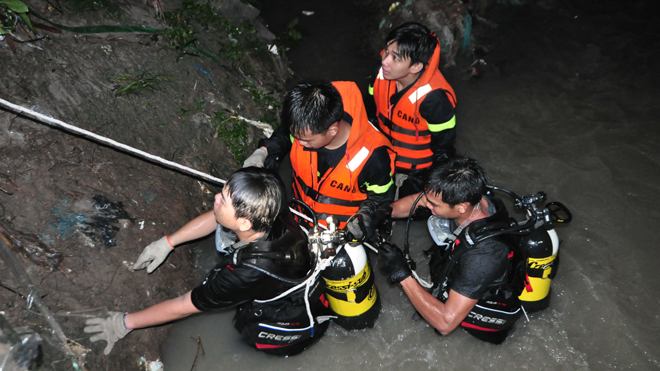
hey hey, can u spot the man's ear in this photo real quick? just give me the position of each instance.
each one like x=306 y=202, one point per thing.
x=244 y=224
x=416 y=68
x=333 y=129
x=462 y=207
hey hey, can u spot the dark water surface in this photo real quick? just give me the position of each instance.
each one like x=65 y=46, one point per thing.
x=574 y=112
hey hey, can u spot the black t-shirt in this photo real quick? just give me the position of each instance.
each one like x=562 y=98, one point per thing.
x=481 y=266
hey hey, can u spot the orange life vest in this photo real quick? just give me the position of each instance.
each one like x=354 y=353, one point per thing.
x=401 y=123
x=337 y=193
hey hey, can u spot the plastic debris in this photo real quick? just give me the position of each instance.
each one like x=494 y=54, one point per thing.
x=156 y=365
x=24 y=347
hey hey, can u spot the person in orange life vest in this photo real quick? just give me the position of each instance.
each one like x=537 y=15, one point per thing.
x=342 y=165
x=414 y=103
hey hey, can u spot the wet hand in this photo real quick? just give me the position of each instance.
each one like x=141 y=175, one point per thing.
x=154 y=255
x=110 y=329
x=392 y=263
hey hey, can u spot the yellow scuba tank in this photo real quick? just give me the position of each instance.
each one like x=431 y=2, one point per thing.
x=350 y=288
x=542 y=249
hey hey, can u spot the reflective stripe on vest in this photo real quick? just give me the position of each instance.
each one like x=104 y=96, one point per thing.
x=337 y=192
x=419 y=93
x=402 y=122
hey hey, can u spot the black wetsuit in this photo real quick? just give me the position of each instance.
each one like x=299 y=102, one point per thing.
x=262 y=270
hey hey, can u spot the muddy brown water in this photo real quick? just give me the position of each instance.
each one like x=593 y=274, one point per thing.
x=571 y=110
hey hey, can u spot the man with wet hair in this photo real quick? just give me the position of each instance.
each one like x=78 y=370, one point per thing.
x=342 y=165
x=464 y=272
x=414 y=103
x=254 y=233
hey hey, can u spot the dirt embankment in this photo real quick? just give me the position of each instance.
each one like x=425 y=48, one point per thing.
x=81 y=212
x=92 y=209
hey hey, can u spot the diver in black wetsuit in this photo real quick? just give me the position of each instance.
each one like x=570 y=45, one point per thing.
x=466 y=271
x=266 y=255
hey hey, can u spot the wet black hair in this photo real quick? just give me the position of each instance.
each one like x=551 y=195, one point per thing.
x=256 y=194
x=414 y=41
x=459 y=179
x=312 y=106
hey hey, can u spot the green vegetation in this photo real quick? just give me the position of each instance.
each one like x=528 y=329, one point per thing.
x=13 y=14
x=198 y=107
x=291 y=35
x=129 y=84
x=264 y=99
x=194 y=17
x=233 y=132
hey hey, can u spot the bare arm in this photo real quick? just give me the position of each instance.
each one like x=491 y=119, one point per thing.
x=401 y=207
x=444 y=317
x=163 y=312
x=199 y=227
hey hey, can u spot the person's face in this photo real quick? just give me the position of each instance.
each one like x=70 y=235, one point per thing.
x=224 y=211
x=396 y=67
x=440 y=208
x=315 y=141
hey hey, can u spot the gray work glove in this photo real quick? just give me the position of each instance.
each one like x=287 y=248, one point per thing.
x=110 y=329
x=153 y=255
x=359 y=227
x=256 y=159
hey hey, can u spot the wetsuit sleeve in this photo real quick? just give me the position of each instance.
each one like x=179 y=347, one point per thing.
x=479 y=268
x=376 y=181
x=440 y=115
x=278 y=146
x=225 y=287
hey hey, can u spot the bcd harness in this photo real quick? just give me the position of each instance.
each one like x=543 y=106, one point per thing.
x=499 y=308
x=288 y=318
x=502 y=304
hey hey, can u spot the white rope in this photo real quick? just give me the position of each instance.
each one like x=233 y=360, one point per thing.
x=88 y=134
x=421 y=281
x=114 y=144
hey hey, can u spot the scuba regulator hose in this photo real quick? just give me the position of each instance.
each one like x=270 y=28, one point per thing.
x=406 y=246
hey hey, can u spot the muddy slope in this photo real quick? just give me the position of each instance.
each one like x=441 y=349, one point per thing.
x=92 y=209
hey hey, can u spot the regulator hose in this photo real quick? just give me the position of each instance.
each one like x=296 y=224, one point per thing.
x=406 y=245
